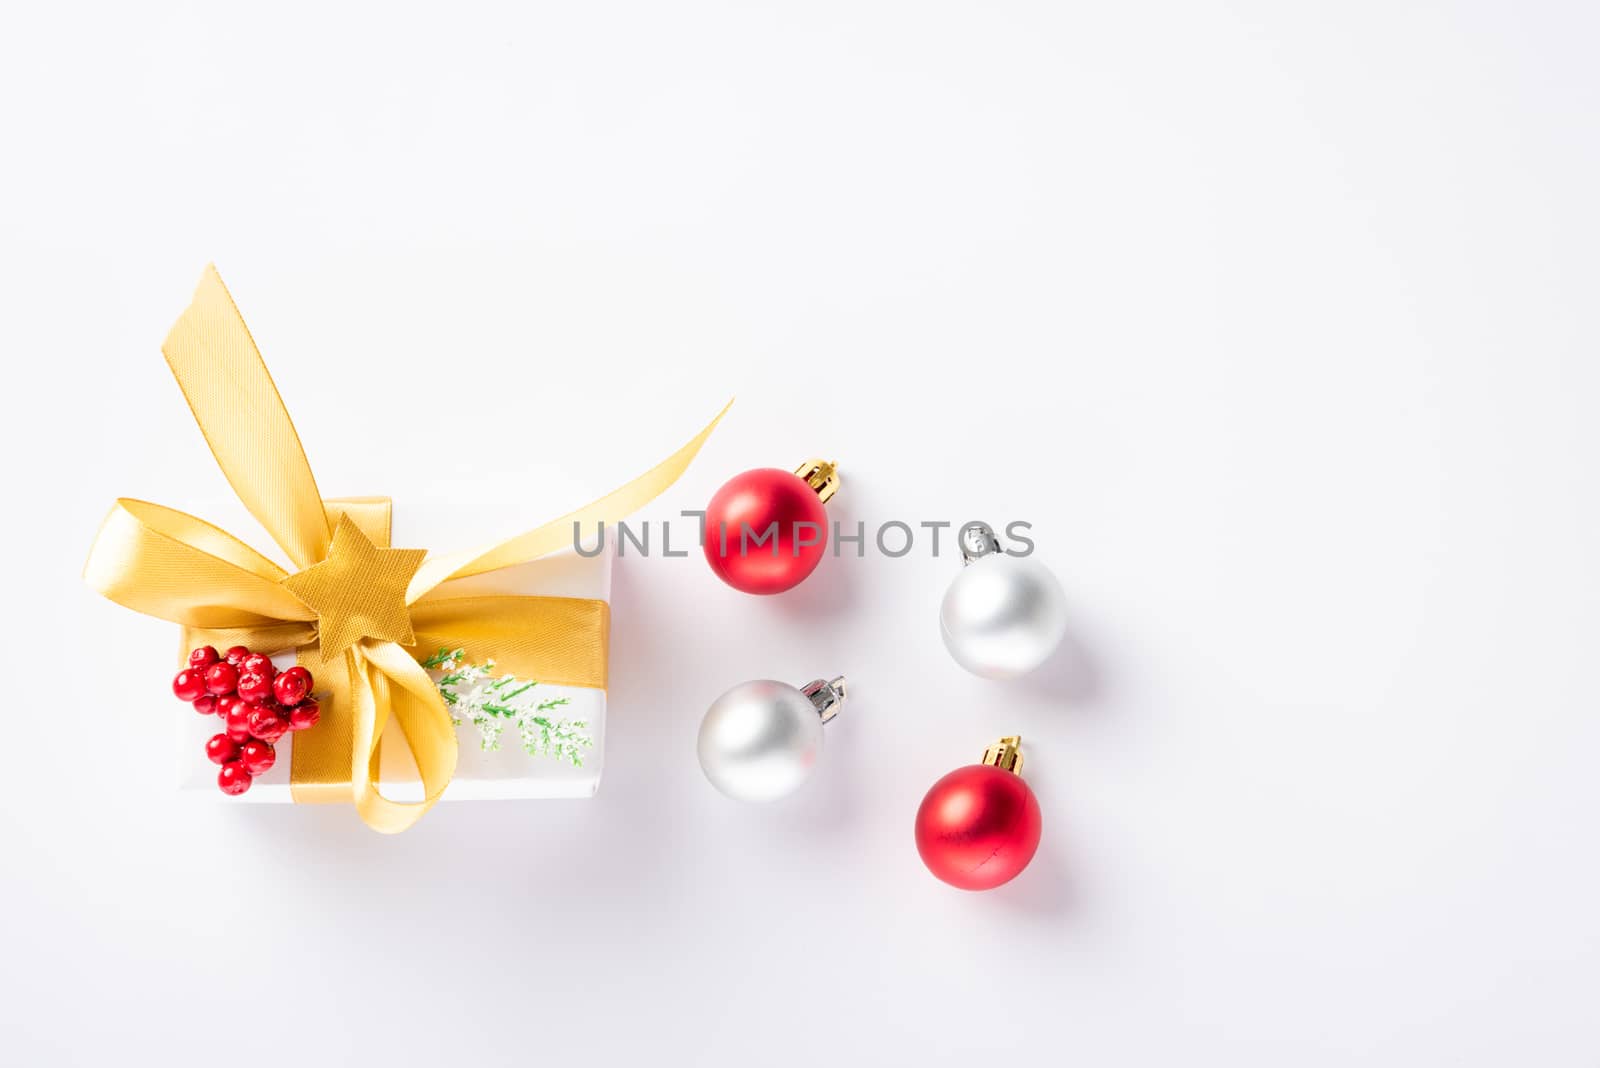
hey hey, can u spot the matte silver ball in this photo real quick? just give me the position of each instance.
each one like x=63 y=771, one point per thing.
x=1003 y=616
x=760 y=740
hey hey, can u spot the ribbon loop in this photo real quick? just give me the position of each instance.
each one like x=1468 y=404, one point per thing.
x=242 y=417
x=557 y=534
x=168 y=564
x=408 y=693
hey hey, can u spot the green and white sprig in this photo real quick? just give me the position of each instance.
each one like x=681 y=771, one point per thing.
x=474 y=694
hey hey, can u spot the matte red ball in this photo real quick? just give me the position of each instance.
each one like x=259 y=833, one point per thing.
x=234 y=778
x=744 y=512
x=292 y=687
x=304 y=715
x=256 y=664
x=978 y=827
x=222 y=678
x=203 y=657
x=253 y=687
x=189 y=684
x=206 y=705
x=257 y=757
x=220 y=749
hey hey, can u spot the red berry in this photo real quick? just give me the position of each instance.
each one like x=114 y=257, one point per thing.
x=225 y=704
x=303 y=715
x=257 y=664
x=222 y=678
x=203 y=657
x=238 y=722
x=205 y=705
x=258 y=716
x=253 y=687
x=271 y=732
x=221 y=749
x=235 y=654
x=257 y=757
x=292 y=686
x=266 y=723
x=233 y=778
x=189 y=684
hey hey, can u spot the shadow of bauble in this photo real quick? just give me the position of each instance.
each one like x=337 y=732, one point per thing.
x=1070 y=674
x=828 y=592
x=831 y=590
x=1046 y=886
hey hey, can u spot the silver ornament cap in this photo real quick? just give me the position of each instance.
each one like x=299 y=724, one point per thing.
x=1003 y=615
x=761 y=739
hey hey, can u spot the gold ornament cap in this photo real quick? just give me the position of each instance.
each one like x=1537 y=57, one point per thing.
x=1005 y=754
x=822 y=476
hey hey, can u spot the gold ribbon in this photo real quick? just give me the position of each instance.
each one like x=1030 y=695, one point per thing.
x=358 y=612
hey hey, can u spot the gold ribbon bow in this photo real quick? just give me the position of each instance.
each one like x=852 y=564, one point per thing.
x=365 y=605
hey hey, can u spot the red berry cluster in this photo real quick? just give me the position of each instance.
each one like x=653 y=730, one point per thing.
x=258 y=704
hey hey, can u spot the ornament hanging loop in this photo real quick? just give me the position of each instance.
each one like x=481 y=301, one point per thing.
x=1005 y=754
x=977 y=540
x=826 y=696
x=822 y=476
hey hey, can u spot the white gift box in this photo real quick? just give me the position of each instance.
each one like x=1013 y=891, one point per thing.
x=504 y=771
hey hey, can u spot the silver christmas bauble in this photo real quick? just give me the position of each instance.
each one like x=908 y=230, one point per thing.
x=1003 y=615
x=760 y=740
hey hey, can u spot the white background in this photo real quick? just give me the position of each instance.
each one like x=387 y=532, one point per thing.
x=1276 y=321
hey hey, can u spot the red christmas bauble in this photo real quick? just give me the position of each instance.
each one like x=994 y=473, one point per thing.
x=978 y=827
x=766 y=530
